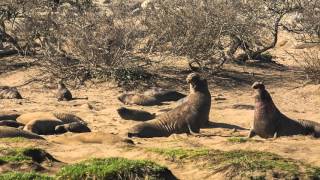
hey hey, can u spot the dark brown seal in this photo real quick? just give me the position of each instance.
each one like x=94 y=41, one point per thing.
x=185 y=118
x=10 y=123
x=75 y=127
x=63 y=93
x=7 y=92
x=136 y=115
x=270 y=122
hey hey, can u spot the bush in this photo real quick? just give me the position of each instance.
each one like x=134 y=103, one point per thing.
x=211 y=32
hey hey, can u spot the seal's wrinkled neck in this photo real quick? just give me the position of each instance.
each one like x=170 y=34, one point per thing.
x=199 y=86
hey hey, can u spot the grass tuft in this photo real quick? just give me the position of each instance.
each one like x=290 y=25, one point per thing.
x=24 y=176
x=238 y=140
x=240 y=163
x=13 y=139
x=115 y=168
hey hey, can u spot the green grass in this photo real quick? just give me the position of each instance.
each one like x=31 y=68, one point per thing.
x=114 y=168
x=14 y=139
x=22 y=155
x=238 y=139
x=251 y=164
x=24 y=176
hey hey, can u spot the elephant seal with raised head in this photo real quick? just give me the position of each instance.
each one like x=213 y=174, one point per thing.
x=270 y=122
x=63 y=93
x=188 y=117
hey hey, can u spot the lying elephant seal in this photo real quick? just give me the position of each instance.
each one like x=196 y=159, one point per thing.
x=138 y=99
x=72 y=127
x=42 y=126
x=63 y=93
x=7 y=92
x=10 y=123
x=270 y=122
x=64 y=117
x=10 y=132
x=164 y=95
x=133 y=114
x=185 y=118
x=90 y=137
x=9 y=116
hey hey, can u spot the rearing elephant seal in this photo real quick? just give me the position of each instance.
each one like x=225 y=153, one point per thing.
x=185 y=118
x=270 y=122
x=63 y=93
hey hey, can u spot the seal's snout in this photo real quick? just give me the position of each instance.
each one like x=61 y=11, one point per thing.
x=258 y=85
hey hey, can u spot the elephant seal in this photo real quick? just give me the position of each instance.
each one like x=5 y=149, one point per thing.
x=90 y=138
x=10 y=123
x=72 y=127
x=10 y=132
x=63 y=93
x=133 y=114
x=270 y=122
x=7 y=92
x=185 y=118
x=42 y=126
x=9 y=116
x=164 y=95
x=64 y=117
x=138 y=99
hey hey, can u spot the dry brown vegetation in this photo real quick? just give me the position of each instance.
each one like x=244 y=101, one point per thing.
x=133 y=44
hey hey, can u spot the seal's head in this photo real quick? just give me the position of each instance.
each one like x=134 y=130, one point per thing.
x=197 y=83
x=61 y=85
x=258 y=85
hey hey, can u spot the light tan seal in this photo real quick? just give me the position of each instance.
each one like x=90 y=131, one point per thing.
x=90 y=138
x=270 y=122
x=10 y=132
x=185 y=118
x=138 y=99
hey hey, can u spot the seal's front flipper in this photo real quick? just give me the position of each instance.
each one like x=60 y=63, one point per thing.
x=251 y=133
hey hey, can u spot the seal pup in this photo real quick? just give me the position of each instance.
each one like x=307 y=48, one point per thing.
x=136 y=115
x=270 y=122
x=63 y=93
x=188 y=117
